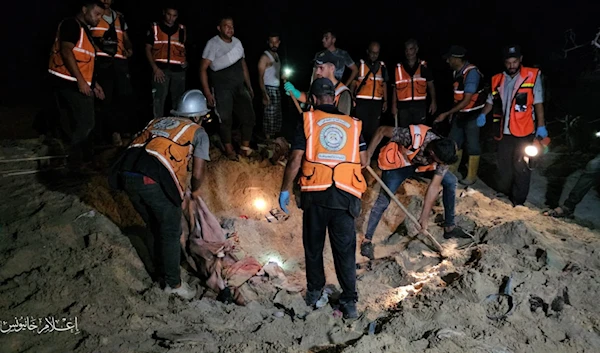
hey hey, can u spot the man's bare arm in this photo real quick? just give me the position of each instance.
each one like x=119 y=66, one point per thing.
x=291 y=170
x=380 y=133
x=150 y=57
x=539 y=114
x=198 y=173
x=246 y=75
x=262 y=66
x=127 y=44
x=353 y=74
x=204 y=64
x=431 y=195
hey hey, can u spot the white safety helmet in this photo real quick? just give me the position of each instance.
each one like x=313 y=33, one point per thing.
x=192 y=103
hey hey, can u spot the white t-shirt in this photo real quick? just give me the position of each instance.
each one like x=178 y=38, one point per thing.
x=223 y=54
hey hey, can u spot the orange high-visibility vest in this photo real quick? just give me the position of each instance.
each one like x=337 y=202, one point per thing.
x=410 y=88
x=373 y=87
x=100 y=30
x=84 y=52
x=332 y=155
x=169 y=140
x=521 y=121
x=168 y=49
x=394 y=156
x=459 y=90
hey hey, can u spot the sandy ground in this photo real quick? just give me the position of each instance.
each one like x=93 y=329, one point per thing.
x=59 y=259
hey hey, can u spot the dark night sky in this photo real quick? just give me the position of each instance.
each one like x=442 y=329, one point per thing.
x=482 y=29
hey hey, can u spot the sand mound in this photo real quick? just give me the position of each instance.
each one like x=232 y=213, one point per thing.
x=61 y=259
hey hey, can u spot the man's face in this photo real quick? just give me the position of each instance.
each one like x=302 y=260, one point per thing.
x=328 y=40
x=410 y=51
x=325 y=70
x=274 y=44
x=512 y=65
x=92 y=16
x=226 y=29
x=171 y=16
x=455 y=63
x=107 y=3
x=373 y=52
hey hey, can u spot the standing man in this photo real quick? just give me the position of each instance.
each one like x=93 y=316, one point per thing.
x=112 y=71
x=469 y=99
x=72 y=66
x=425 y=151
x=165 y=51
x=153 y=171
x=342 y=61
x=370 y=90
x=327 y=147
x=224 y=64
x=325 y=64
x=269 y=78
x=517 y=100
x=413 y=80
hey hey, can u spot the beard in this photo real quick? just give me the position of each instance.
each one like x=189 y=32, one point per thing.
x=274 y=49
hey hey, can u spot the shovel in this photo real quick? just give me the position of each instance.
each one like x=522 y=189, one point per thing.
x=499 y=298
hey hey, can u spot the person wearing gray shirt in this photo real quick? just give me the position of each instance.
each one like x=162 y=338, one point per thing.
x=343 y=59
x=517 y=102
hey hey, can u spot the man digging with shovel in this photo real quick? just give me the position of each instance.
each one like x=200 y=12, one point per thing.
x=415 y=149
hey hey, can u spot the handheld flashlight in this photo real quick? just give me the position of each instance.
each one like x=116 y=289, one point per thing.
x=598 y=134
x=287 y=72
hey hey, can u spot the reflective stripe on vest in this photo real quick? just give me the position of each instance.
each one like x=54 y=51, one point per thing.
x=84 y=53
x=373 y=88
x=409 y=87
x=168 y=49
x=102 y=27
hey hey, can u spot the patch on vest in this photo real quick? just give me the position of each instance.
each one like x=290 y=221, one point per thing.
x=166 y=124
x=333 y=138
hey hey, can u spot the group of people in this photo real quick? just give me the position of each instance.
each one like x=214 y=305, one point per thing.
x=338 y=133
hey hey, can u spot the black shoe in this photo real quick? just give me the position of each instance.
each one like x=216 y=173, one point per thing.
x=312 y=296
x=457 y=232
x=367 y=249
x=349 y=310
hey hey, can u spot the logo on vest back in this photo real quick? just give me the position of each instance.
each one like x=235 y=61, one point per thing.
x=166 y=124
x=333 y=138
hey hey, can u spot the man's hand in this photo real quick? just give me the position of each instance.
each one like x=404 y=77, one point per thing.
x=290 y=89
x=251 y=91
x=84 y=88
x=266 y=101
x=210 y=99
x=541 y=132
x=394 y=108
x=432 y=107
x=481 y=120
x=284 y=200
x=424 y=225
x=384 y=107
x=99 y=92
x=441 y=117
x=128 y=52
x=159 y=75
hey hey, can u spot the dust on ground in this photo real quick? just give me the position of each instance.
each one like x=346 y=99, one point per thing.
x=61 y=259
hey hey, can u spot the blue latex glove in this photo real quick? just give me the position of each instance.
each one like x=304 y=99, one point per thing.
x=481 y=120
x=542 y=132
x=284 y=200
x=289 y=87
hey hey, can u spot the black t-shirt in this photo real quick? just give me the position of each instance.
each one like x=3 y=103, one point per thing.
x=168 y=31
x=333 y=197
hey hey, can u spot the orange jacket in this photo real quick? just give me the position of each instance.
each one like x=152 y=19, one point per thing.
x=521 y=121
x=339 y=89
x=478 y=99
x=332 y=155
x=373 y=87
x=394 y=155
x=170 y=141
x=99 y=31
x=410 y=88
x=84 y=52
x=169 y=50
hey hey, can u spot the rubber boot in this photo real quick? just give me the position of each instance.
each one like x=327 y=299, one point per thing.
x=472 y=171
x=454 y=167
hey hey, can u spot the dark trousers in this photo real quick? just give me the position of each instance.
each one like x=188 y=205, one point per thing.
x=465 y=132
x=589 y=178
x=342 y=235
x=411 y=113
x=513 y=175
x=235 y=100
x=163 y=219
x=369 y=112
x=80 y=111
x=175 y=84
x=114 y=112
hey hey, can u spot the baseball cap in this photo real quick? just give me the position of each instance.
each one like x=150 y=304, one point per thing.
x=513 y=51
x=456 y=51
x=322 y=87
x=325 y=57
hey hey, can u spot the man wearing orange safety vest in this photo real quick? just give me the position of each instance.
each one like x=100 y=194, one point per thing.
x=166 y=53
x=517 y=102
x=112 y=71
x=370 y=91
x=417 y=149
x=153 y=171
x=329 y=150
x=325 y=63
x=469 y=99
x=72 y=67
x=413 y=80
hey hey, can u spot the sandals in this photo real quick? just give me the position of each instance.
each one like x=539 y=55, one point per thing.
x=563 y=213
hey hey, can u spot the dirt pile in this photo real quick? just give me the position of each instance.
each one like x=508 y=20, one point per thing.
x=69 y=252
